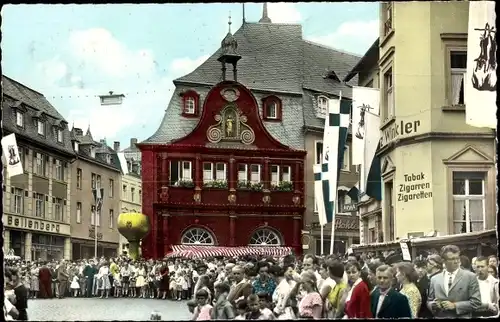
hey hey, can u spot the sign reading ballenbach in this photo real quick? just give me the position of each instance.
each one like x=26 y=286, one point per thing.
x=37 y=224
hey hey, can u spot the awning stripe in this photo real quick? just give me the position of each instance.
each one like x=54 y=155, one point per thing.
x=196 y=251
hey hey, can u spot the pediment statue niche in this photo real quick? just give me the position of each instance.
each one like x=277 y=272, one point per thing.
x=231 y=126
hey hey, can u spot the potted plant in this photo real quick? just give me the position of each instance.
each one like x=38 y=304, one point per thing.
x=283 y=186
x=185 y=183
x=257 y=186
x=218 y=184
x=244 y=185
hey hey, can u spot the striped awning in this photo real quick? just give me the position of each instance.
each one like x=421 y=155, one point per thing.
x=203 y=251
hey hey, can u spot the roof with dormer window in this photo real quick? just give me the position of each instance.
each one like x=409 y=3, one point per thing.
x=33 y=104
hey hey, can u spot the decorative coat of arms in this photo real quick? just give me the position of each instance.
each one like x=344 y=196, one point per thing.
x=231 y=126
x=360 y=133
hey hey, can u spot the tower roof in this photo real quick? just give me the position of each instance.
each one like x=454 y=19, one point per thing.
x=265 y=18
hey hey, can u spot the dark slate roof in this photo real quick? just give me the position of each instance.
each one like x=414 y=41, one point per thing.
x=271 y=59
x=33 y=104
x=369 y=59
x=102 y=150
x=276 y=59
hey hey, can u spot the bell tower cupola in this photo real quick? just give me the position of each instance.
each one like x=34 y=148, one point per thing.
x=229 y=54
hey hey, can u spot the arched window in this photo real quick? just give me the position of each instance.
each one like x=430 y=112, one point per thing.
x=190 y=103
x=271 y=108
x=265 y=237
x=197 y=236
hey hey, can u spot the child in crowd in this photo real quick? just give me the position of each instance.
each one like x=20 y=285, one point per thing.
x=132 y=287
x=75 y=286
x=203 y=310
x=180 y=280
x=254 y=311
x=265 y=304
x=241 y=308
x=117 y=285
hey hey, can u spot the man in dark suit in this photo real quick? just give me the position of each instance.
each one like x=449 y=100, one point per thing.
x=386 y=303
x=423 y=287
x=241 y=287
x=455 y=292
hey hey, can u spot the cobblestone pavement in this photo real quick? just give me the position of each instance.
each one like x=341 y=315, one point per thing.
x=86 y=309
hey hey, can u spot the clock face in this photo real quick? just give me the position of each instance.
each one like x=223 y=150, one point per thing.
x=230 y=94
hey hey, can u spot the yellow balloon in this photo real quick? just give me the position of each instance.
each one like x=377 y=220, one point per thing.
x=133 y=226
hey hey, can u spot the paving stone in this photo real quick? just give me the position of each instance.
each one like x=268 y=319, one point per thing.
x=121 y=309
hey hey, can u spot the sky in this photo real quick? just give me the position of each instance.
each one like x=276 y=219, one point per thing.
x=73 y=53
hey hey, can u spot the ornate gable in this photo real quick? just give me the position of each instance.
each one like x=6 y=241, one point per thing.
x=231 y=126
x=469 y=154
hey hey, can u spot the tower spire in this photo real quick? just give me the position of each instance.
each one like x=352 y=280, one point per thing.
x=265 y=18
x=229 y=22
x=243 y=4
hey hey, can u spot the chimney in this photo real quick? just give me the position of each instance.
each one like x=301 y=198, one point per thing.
x=133 y=142
x=116 y=146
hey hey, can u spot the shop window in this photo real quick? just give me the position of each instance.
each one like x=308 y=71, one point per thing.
x=190 y=104
x=272 y=108
x=79 y=178
x=78 y=212
x=255 y=173
x=468 y=202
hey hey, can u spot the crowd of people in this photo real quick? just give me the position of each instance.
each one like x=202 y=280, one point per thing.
x=355 y=286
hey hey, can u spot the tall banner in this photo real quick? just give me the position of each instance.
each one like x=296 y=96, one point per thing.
x=123 y=162
x=364 y=100
x=480 y=82
x=11 y=154
x=371 y=139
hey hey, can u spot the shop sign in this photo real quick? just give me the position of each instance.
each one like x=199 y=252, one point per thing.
x=415 y=186
x=352 y=207
x=37 y=225
x=341 y=223
x=398 y=129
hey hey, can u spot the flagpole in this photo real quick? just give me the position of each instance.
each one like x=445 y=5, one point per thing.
x=322 y=239
x=95 y=223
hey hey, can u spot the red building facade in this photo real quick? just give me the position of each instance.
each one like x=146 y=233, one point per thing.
x=228 y=182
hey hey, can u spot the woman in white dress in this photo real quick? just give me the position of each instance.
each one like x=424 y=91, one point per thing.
x=35 y=284
x=105 y=284
x=140 y=281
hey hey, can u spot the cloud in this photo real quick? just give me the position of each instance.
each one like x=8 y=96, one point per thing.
x=284 y=12
x=183 y=66
x=353 y=36
x=98 y=47
x=93 y=62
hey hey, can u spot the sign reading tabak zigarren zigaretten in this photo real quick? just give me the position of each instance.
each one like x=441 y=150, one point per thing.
x=415 y=187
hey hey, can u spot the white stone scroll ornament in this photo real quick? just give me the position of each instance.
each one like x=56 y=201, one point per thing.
x=231 y=126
